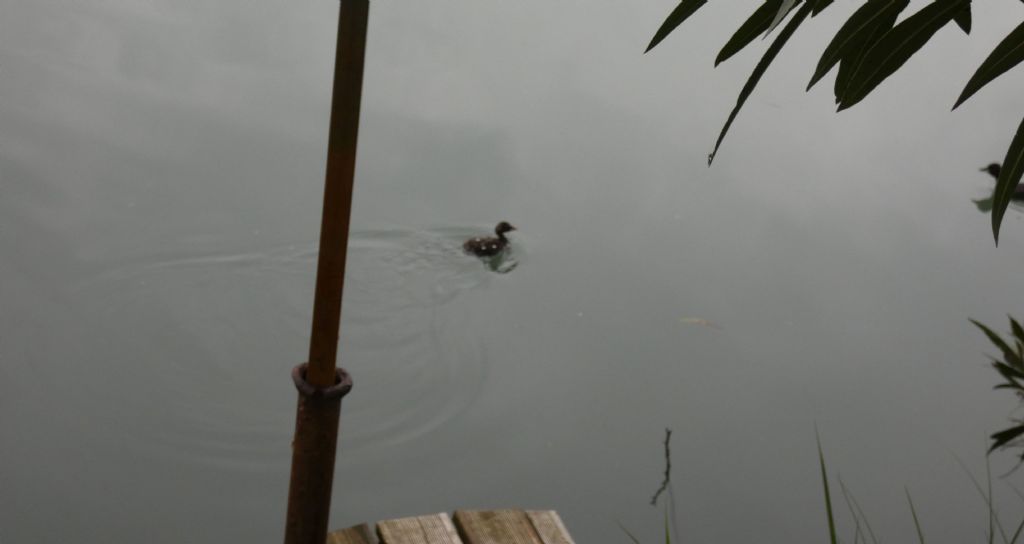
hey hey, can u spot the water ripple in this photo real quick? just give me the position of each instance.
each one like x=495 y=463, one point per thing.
x=213 y=337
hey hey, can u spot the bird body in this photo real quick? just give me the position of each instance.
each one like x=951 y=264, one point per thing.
x=994 y=170
x=489 y=246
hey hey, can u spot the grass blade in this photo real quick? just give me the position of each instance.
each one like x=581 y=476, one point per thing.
x=1009 y=177
x=1015 y=490
x=856 y=505
x=993 y=518
x=828 y=496
x=683 y=11
x=668 y=535
x=1006 y=55
x=913 y=513
x=897 y=46
x=1016 y=533
x=857 y=532
x=759 y=70
x=629 y=534
x=991 y=507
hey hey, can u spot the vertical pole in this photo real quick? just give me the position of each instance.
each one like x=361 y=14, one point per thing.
x=341 y=165
x=320 y=384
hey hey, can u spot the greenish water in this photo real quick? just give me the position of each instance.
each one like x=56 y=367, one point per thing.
x=161 y=167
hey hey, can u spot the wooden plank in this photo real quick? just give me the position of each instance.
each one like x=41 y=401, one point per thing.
x=359 y=534
x=434 y=529
x=496 y=527
x=549 y=527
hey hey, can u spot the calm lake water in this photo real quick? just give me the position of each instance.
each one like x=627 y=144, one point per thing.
x=161 y=169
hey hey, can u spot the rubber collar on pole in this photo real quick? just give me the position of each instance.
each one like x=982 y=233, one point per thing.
x=342 y=384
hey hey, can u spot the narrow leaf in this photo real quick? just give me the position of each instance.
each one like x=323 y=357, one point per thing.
x=629 y=534
x=851 y=62
x=995 y=339
x=1009 y=177
x=1004 y=436
x=668 y=535
x=820 y=6
x=860 y=511
x=897 y=46
x=857 y=531
x=1016 y=533
x=760 y=69
x=963 y=19
x=828 y=496
x=1006 y=55
x=781 y=14
x=753 y=27
x=991 y=507
x=683 y=11
x=913 y=513
x=855 y=32
x=1011 y=375
x=1018 y=331
x=993 y=520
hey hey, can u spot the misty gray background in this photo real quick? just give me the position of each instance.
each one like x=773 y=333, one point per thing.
x=161 y=168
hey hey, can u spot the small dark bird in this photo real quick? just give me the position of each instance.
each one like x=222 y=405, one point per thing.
x=489 y=247
x=993 y=169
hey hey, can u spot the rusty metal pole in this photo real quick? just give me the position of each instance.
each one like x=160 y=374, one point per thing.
x=321 y=385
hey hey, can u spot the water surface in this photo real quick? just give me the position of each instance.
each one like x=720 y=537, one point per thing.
x=161 y=166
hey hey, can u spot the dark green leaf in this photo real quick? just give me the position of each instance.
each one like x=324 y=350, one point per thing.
x=754 y=26
x=820 y=6
x=759 y=70
x=1006 y=435
x=897 y=46
x=963 y=19
x=781 y=13
x=1018 y=331
x=856 y=31
x=1011 y=374
x=850 y=63
x=1009 y=177
x=683 y=11
x=1009 y=370
x=1006 y=55
x=995 y=339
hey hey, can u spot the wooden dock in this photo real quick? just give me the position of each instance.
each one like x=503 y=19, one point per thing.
x=463 y=527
